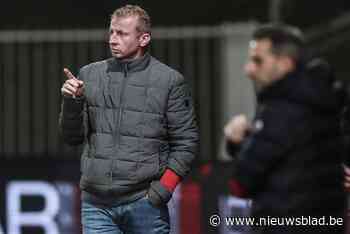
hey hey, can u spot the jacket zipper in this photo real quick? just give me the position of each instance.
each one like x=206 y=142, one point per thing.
x=125 y=71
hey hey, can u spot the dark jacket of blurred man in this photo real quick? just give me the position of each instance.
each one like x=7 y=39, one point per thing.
x=290 y=157
x=136 y=120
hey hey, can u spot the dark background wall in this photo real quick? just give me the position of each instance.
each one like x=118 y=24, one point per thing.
x=39 y=14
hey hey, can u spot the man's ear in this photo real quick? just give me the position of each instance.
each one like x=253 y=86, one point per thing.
x=145 y=39
x=287 y=63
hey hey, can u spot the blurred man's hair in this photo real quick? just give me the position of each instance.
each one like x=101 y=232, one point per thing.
x=285 y=40
x=144 y=25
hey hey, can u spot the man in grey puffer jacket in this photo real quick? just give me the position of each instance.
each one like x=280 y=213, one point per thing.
x=136 y=119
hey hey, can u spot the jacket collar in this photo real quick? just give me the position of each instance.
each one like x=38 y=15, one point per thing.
x=281 y=88
x=139 y=64
x=301 y=87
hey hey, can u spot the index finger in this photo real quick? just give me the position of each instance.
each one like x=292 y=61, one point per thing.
x=68 y=74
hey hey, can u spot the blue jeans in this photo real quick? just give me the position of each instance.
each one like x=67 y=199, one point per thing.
x=138 y=217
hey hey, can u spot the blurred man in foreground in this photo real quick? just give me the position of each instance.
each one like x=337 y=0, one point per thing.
x=289 y=159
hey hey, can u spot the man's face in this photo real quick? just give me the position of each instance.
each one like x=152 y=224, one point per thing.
x=262 y=66
x=125 y=41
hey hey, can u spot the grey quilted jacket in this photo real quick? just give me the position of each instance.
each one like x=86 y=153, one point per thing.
x=135 y=119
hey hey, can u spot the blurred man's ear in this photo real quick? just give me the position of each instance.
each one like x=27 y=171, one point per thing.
x=287 y=63
x=144 y=39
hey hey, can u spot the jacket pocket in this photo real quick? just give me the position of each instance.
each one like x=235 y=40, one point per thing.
x=124 y=171
x=97 y=170
x=82 y=164
x=163 y=158
x=148 y=168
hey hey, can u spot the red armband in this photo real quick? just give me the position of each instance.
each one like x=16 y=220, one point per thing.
x=169 y=180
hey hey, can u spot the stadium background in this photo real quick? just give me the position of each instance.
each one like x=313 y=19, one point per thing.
x=205 y=40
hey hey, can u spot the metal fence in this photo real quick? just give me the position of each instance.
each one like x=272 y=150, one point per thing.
x=31 y=64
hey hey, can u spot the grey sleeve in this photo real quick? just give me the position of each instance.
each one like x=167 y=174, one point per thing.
x=73 y=119
x=181 y=126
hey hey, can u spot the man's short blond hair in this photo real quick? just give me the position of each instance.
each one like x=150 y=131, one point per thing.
x=144 y=24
